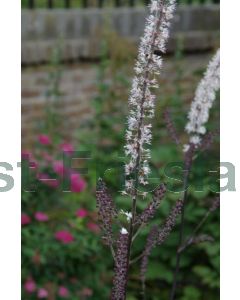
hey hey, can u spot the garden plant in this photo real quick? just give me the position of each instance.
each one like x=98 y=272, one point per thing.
x=156 y=211
x=138 y=137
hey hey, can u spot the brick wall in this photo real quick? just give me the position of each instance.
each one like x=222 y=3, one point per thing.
x=78 y=86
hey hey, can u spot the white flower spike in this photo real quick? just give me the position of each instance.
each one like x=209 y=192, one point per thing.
x=141 y=100
x=203 y=100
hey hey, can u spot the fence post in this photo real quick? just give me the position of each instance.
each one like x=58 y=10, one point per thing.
x=100 y=3
x=31 y=4
x=85 y=3
x=118 y=3
x=67 y=3
x=50 y=3
x=131 y=3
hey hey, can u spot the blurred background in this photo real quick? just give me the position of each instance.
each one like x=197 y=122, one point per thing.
x=77 y=65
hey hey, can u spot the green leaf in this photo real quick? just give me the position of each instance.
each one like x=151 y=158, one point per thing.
x=159 y=271
x=191 y=293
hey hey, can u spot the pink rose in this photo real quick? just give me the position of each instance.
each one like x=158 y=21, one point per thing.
x=41 y=217
x=93 y=227
x=64 y=236
x=30 y=286
x=25 y=219
x=67 y=147
x=44 y=139
x=58 y=167
x=77 y=183
x=42 y=293
x=81 y=213
x=63 y=292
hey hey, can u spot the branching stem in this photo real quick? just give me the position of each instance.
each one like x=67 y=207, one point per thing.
x=181 y=232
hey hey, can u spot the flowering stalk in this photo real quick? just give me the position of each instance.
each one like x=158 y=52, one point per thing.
x=120 y=272
x=151 y=242
x=142 y=102
x=203 y=100
x=197 y=117
x=106 y=211
x=158 y=236
x=138 y=136
x=152 y=207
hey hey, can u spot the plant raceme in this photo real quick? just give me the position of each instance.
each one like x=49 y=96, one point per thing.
x=138 y=138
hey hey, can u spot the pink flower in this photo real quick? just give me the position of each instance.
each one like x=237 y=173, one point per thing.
x=42 y=293
x=44 y=139
x=30 y=286
x=53 y=183
x=58 y=167
x=64 y=236
x=25 y=219
x=26 y=155
x=86 y=292
x=33 y=164
x=41 y=217
x=67 y=147
x=93 y=227
x=43 y=176
x=63 y=292
x=81 y=213
x=30 y=158
x=77 y=183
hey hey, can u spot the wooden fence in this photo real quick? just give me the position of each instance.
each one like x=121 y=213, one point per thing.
x=31 y=4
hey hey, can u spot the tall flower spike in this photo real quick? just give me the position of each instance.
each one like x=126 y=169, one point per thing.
x=121 y=266
x=158 y=235
x=151 y=209
x=141 y=100
x=203 y=101
x=106 y=211
x=151 y=242
x=170 y=222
